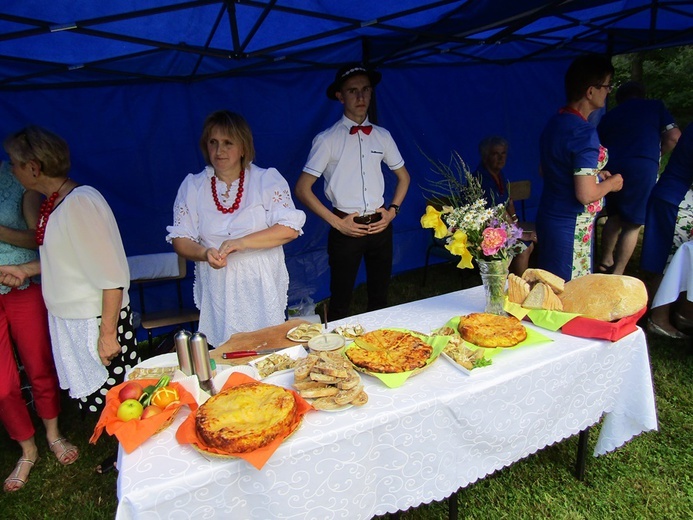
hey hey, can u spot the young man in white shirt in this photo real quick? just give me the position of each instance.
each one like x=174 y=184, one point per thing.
x=348 y=155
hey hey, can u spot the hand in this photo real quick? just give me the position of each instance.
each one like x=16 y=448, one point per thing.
x=214 y=258
x=615 y=182
x=231 y=246
x=12 y=275
x=603 y=175
x=388 y=215
x=108 y=348
x=529 y=236
x=347 y=226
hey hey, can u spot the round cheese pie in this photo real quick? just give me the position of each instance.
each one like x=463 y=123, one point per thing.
x=246 y=417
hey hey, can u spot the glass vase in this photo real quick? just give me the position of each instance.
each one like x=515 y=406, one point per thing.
x=494 y=274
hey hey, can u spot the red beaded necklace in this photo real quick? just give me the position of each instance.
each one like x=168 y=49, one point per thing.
x=239 y=194
x=45 y=212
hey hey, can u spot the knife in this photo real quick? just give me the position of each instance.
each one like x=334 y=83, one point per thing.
x=248 y=353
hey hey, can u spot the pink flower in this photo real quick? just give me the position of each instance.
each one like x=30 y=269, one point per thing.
x=594 y=207
x=586 y=238
x=494 y=240
x=602 y=154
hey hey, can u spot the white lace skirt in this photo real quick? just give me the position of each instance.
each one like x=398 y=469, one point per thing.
x=250 y=293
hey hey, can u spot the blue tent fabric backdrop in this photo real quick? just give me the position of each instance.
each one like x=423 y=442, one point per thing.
x=128 y=85
x=136 y=143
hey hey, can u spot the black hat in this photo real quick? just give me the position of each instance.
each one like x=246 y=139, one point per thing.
x=348 y=71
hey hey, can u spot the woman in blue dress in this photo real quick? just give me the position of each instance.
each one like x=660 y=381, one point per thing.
x=571 y=163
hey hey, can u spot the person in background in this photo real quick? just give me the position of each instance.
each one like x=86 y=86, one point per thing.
x=636 y=133
x=668 y=224
x=348 y=155
x=24 y=323
x=494 y=153
x=85 y=276
x=572 y=162
x=232 y=220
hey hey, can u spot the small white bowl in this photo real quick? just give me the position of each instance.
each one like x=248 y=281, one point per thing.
x=326 y=342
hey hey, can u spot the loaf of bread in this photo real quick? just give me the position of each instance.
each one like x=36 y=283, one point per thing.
x=606 y=297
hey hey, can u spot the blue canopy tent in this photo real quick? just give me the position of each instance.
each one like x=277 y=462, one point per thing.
x=128 y=84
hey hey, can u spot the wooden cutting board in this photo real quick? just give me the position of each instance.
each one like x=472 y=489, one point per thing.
x=275 y=337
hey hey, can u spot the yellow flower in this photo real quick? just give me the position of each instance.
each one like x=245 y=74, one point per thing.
x=432 y=220
x=458 y=246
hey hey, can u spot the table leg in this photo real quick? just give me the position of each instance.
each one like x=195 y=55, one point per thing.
x=452 y=506
x=582 y=454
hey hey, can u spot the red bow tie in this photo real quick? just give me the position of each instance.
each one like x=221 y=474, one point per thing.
x=365 y=129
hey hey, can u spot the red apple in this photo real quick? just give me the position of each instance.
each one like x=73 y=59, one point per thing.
x=132 y=390
x=129 y=409
x=150 y=411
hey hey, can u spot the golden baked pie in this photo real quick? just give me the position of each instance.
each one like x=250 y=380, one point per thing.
x=389 y=351
x=246 y=417
x=491 y=330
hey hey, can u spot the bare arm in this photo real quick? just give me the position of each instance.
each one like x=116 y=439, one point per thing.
x=25 y=238
x=347 y=226
x=108 y=345
x=587 y=190
x=274 y=236
x=669 y=139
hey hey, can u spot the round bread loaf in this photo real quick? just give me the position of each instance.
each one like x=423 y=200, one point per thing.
x=605 y=297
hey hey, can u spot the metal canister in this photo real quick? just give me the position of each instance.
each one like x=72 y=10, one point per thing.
x=200 y=358
x=182 y=342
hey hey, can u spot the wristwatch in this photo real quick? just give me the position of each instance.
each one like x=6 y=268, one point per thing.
x=396 y=208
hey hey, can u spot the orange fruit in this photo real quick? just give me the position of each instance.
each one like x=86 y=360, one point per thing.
x=164 y=396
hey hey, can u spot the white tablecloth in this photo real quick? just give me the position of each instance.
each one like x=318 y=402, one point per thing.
x=411 y=445
x=678 y=277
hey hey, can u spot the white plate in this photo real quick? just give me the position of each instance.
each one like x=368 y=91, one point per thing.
x=163 y=360
x=296 y=352
x=322 y=329
x=462 y=369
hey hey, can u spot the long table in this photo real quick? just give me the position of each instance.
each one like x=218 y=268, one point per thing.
x=415 y=444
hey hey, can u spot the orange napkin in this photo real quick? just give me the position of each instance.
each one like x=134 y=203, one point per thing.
x=133 y=433
x=186 y=433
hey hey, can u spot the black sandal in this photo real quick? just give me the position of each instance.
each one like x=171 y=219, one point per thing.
x=108 y=464
x=606 y=269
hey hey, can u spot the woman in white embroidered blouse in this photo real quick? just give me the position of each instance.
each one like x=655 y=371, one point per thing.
x=232 y=220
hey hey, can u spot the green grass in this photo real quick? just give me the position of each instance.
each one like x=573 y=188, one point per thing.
x=648 y=478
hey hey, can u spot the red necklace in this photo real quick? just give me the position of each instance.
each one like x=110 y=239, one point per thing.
x=239 y=194
x=45 y=212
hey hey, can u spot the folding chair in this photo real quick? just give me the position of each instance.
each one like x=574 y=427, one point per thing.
x=146 y=271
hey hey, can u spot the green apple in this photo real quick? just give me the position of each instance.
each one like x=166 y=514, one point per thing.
x=129 y=409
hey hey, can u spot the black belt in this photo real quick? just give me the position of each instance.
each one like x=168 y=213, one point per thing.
x=364 y=219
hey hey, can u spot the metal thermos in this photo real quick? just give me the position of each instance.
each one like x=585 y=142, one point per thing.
x=182 y=343
x=201 y=363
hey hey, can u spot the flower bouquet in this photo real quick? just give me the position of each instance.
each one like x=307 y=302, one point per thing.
x=473 y=227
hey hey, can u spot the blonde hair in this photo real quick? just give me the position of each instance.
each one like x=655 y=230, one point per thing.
x=236 y=127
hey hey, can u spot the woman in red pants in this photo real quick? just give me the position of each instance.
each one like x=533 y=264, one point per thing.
x=24 y=324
